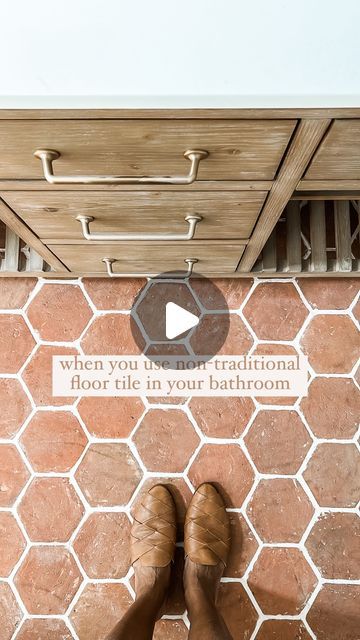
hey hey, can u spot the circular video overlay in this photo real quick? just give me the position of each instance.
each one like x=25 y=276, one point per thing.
x=180 y=317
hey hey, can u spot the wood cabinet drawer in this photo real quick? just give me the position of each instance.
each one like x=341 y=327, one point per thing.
x=238 y=149
x=154 y=258
x=228 y=214
x=338 y=157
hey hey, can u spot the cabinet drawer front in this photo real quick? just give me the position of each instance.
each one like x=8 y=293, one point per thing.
x=226 y=214
x=338 y=157
x=238 y=149
x=213 y=257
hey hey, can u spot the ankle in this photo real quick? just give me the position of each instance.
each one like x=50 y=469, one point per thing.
x=201 y=582
x=152 y=583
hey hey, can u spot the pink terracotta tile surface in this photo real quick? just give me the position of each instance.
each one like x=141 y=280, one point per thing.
x=50 y=510
x=280 y=510
x=275 y=311
x=282 y=580
x=10 y=612
x=14 y=413
x=335 y=293
x=14 y=292
x=71 y=472
x=53 y=441
x=59 y=312
x=16 y=343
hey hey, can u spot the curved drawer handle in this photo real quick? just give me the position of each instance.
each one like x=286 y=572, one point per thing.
x=109 y=267
x=110 y=237
x=47 y=157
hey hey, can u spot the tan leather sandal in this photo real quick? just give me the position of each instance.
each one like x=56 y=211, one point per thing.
x=153 y=533
x=207 y=527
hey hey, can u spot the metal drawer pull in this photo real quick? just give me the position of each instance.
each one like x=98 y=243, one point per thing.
x=109 y=263
x=47 y=157
x=85 y=225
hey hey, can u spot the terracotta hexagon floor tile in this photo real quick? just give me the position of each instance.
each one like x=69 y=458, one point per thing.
x=281 y=581
x=227 y=467
x=110 y=417
x=53 y=441
x=151 y=313
x=278 y=441
x=332 y=344
x=113 y=295
x=237 y=610
x=50 y=510
x=220 y=417
x=233 y=290
x=44 y=629
x=332 y=407
x=14 y=413
x=10 y=613
x=48 y=580
x=180 y=492
x=59 y=312
x=280 y=510
x=14 y=292
x=98 y=609
x=111 y=335
x=165 y=440
x=13 y=474
x=275 y=311
x=170 y=630
x=275 y=349
x=335 y=293
x=108 y=474
x=334 y=615
x=333 y=475
x=16 y=343
x=356 y=311
x=334 y=545
x=282 y=630
x=12 y=543
x=237 y=341
x=37 y=375
x=243 y=546
x=103 y=545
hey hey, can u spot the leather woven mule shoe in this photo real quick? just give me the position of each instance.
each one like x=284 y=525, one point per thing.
x=153 y=534
x=207 y=527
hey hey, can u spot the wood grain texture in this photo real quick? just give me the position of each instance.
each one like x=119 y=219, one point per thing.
x=328 y=185
x=15 y=224
x=155 y=257
x=342 y=235
x=293 y=237
x=307 y=137
x=338 y=157
x=202 y=185
x=182 y=114
x=318 y=258
x=227 y=215
x=238 y=149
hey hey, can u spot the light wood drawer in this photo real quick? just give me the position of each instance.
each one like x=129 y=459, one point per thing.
x=227 y=214
x=338 y=157
x=213 y=257
x=238 y=149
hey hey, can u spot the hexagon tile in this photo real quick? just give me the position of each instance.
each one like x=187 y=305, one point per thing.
x=71 y=471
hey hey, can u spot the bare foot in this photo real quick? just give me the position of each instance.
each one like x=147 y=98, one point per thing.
x=154 y=580
x=201 y=578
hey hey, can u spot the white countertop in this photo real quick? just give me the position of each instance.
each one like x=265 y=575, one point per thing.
x=180 y=54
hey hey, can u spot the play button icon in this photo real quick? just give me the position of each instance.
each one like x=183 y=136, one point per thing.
x=180 y=317
x=178 y=320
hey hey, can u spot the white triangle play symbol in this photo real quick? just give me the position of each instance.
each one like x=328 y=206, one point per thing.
x=178 y=320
